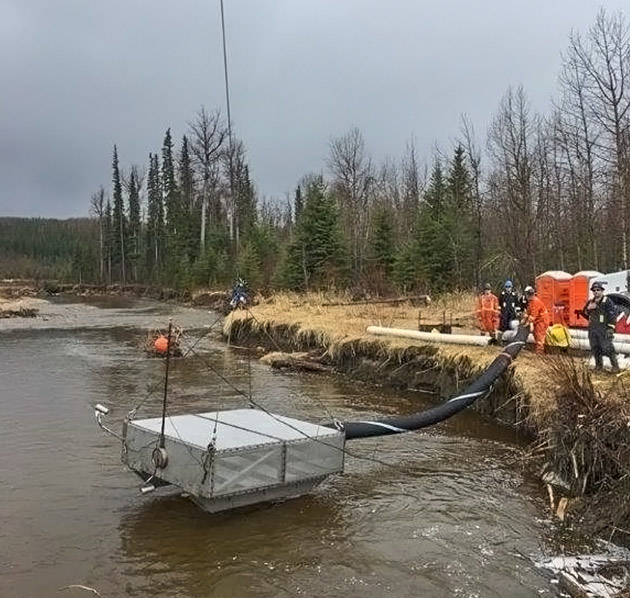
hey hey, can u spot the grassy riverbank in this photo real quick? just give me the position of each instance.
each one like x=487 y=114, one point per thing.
x=578 y=422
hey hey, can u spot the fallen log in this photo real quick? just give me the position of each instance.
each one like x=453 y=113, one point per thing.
x=294 y=361
x=22 y=312
x=414 y=300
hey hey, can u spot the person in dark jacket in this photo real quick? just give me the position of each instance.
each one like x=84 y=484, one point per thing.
x=521 y=304
x=508 y=305
x=602 y=317
x=240 y=295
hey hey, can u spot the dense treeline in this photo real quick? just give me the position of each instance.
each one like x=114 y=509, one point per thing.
x=43 y=248
x=541 y=191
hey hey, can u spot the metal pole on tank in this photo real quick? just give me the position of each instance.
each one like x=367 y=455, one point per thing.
x=165 y=397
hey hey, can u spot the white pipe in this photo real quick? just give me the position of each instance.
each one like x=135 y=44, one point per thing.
x=435 y=337
x=583 y=333
x=621 y=346
x=578 y=332
x=621 y=342
x=623 y=361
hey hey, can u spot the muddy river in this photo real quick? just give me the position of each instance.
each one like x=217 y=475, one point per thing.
x=440 y=513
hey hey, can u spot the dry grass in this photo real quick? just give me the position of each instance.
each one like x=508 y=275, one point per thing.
x=587 y=437
x=343 y=327
x=580 y=419
x=337 y=326
x=351 y=320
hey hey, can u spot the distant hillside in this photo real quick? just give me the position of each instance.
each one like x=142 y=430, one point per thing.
x=46 y=248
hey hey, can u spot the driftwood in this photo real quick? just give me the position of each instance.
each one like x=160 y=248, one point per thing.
x=603 y=575
x=415 y=300
x=79 y=587
x=295 y=361
x=22 y=312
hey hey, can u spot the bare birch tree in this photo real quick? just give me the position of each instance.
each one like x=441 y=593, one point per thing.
x=351 y=168
x=469 y=143
x=208 y=134
x=412 y=188
x=511 y=142
x=97 y=207
x=601 y=62
x=577 y=137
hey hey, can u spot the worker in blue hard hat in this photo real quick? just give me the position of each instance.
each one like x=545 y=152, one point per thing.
x=508 y=306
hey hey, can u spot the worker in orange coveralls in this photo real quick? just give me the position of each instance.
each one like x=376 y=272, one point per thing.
x=488 y=311
x=537 y=316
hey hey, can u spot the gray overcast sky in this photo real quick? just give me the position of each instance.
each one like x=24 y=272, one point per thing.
x=77 y=76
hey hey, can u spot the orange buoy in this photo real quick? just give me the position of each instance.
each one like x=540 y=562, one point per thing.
x=161 y=344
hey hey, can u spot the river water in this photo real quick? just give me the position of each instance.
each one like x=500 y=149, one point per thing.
x=439 y=513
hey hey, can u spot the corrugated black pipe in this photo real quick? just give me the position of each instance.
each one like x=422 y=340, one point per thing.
x=479 y=388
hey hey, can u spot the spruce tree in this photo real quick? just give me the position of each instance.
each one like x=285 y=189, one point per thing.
x=119 y=221
x=381 y=249
x=134 y=233
x=172 y=208
x=245 y=202
x=248 y=265
x=443 y=234
x=298 y=203
x=169 y=184
x=190 y=224
x=460 y=223
x=318 y=256
x=155 y=219
x=108 y=238
x=432 y=244
x=405 y=267
x=263 y=238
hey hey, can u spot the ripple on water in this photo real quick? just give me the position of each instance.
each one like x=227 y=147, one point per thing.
x=427 y=514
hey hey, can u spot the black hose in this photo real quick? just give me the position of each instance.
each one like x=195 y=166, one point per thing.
x=479 y=388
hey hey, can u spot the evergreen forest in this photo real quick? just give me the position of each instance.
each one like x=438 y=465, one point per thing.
x=533 y=192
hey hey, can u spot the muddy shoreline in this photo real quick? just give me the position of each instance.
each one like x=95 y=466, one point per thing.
x=22 y=293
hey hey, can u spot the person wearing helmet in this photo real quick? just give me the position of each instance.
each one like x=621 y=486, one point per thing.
x=239 y=297
x=508 y=306
x=488 y=311
x=537 y=316
x=522 y=303
x=602 y=317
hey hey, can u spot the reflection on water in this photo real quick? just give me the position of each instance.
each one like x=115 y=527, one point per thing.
x=436 y=513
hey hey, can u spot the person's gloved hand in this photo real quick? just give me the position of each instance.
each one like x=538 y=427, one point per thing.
x=610 y=334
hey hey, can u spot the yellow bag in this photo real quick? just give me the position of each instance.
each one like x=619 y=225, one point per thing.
x=557 y=336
